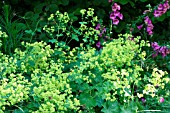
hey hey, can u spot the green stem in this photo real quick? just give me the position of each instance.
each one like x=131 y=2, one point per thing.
x=34 y=30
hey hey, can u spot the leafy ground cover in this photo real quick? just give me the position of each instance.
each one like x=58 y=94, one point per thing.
x=96 y=56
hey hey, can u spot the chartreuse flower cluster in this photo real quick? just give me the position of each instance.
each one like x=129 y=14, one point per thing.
x=156 y=83
x=60 y=25
x=121 y=60
x=113 y=72
x=51 y=80
x=3 y=38
x=34 y=76
x=57 y=24
x=13 y=90
x=90 y=34
x=3 y=34
x=34 y=57
x=53 y=91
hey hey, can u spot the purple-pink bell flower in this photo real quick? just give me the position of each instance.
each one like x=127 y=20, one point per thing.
x=115 y=7
x=162 y=8
x=98 y=27
x=143 y=99
x=98 y=44
x=161 y=100
x=116 y=15
x=110 y=0
x=140 y=26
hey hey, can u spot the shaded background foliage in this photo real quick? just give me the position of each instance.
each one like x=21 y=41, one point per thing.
x=131 y=9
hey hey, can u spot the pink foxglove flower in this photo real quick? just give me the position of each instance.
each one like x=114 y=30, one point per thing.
x=149 y=24
x=140 y=26
x=162 y=8
x=115 y=21
x=116 y=15
x=163 y=50
x=110 y=0
x=161 y=100
x=115 y=7
x=98 y=44
x=98 y=27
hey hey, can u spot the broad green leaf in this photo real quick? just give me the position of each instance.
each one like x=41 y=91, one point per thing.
x=73 y=17
x=132 y=3
x=29 y=32
x=59 y=35
x=143 y=0
x=99 y=101
x=56 y=52
x=161 y=18
x=75 y=37
x=101 y=13
x=18 y=111
x=87 y=100
x=111 y=107
x=39 y=30
x=65 y=2
x=126 y=110
x=168 y=13
x=123 y=2
x=85 y=40
x=52 y=40
x=20 y=26
x=76 y=31
x=53 y=8
x=28 y=15
x=31 y=62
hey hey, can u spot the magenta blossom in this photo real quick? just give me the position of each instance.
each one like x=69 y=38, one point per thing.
x=102 y=29
x=155 y=54
x=120 y=16
x=162 y=8
x=110 y=0
x=143 y=99
x=155 y=46
x=115 y=7
x=149 y=24
x=163 y=50
x=98 y=44
x=115 y=21
x=116 y=15
x=98 y=27
x=112 y=16
x=157 y=13
x=140 y=26
x=161 y=100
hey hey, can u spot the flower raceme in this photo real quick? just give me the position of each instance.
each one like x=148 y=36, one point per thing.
x=159 y=49
x=115 y=14
x=149 y=24
x=102 y=31
x=162 y=8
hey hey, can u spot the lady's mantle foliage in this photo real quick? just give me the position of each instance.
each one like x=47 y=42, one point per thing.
x=39 y=77
x=32 y=78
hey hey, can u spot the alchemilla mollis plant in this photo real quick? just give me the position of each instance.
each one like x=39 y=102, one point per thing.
x=60 y=27
x=96 y=81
